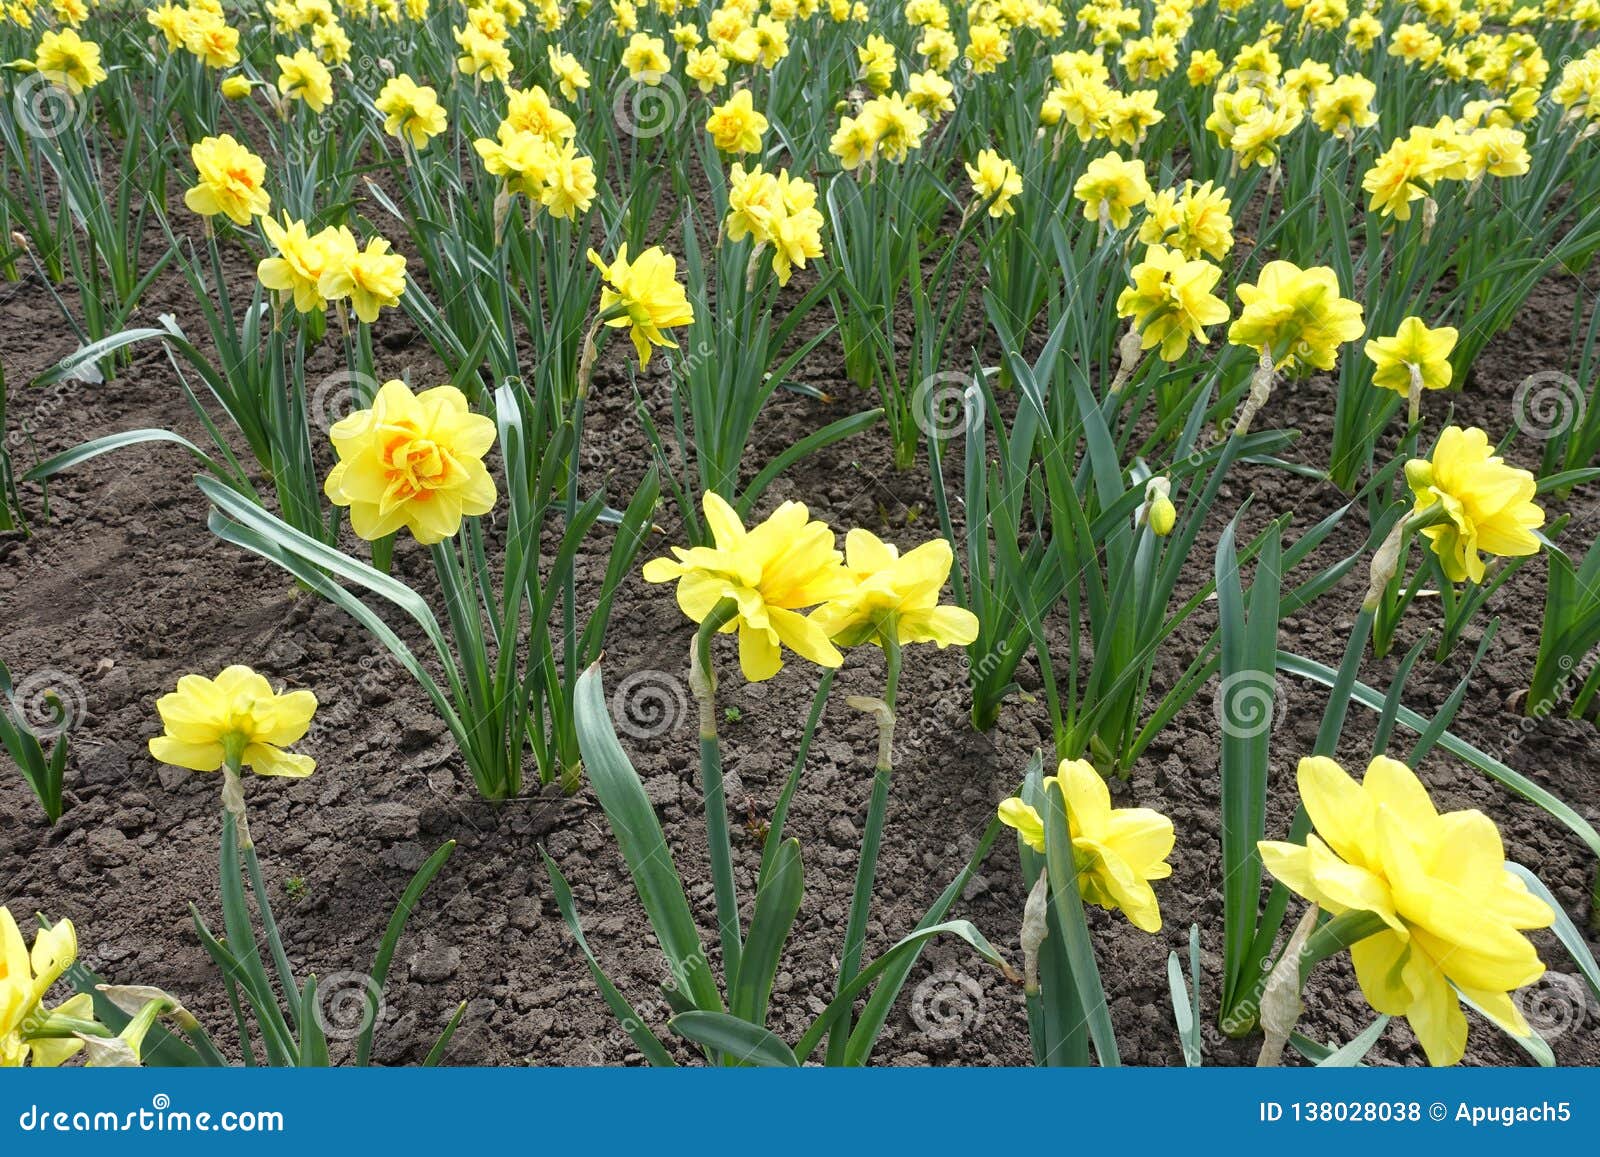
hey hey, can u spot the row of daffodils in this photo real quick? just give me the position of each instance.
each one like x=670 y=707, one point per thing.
x=1082 y=263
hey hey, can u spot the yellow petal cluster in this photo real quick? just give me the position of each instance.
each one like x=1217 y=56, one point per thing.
x=235 y=717
x=1453 y=915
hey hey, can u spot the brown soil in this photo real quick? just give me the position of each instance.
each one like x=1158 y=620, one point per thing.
x=124 y=589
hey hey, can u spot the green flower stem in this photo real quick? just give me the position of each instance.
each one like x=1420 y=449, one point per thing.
x=872 y=838
x=703 y=681
x=233 y=801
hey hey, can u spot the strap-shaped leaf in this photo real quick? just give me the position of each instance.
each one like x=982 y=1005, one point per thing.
x=644 y=847
x=736 y=1039
x=777 y=905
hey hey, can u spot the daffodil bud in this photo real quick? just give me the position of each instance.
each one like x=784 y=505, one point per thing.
x=1035 y=928
x=1419 y=474
x=1158 y=512
x=237 y=87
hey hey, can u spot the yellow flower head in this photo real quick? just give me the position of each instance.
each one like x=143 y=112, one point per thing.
x=304 y=77
x=25 y=979
x=707 y=67
x=1196 y=221
x=772 y=571
x=877 y=63
x=302 y=259
x=208 y=36
x=1111 y=189
x=646 y=59
x=1296 y=316
x=930 y=94
x=1453 y=915
x=1413 y=350
x=1488 y=505
x=230 y=181
x=644 y=296
x=1118 y=851
x=235 y=719
x=995 y=180
x=1344 y=105
x=736 y=126
x=892 y=125
x=570 y=75
x=372 y=278
x=66 y=59
x=895 y=591
x=412 y=460
x=237 y=87
x=411 y=111
x=1170 y=301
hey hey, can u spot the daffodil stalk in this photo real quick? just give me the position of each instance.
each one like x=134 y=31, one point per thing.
x=882 y=710
x=703 y=683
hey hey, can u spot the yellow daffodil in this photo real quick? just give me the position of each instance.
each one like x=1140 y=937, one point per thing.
x=1344 y=105
x=646 y=59
x=735 y=126
x=995 y=180
x=236 y=719
x=66 y=59
x=772 y=572
x=1414 y=352
x=895 y=591
x=25 y=980
x=1118 y=851
x=893 y=127
x=1487 y=504
x=1195 y=221
x=1170 y=301
x=304 y=77
x=644 y=296
x=569 y=74
x=411 y=111
x=237 y=87
x=1296 y=317
x=302 y=259
x=1111 y=189
x=372 y=278
x=207 y=36
x=230 y=181
x=413 y=461
x=707 y=67
x=1453 y=915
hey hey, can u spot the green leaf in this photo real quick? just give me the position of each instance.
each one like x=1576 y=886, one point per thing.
x=739 y=1040
x=633 y=821
x=649 y=1044
x=777 y=905
x=81 y=453
x=1061 y=863
x=379 y=972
